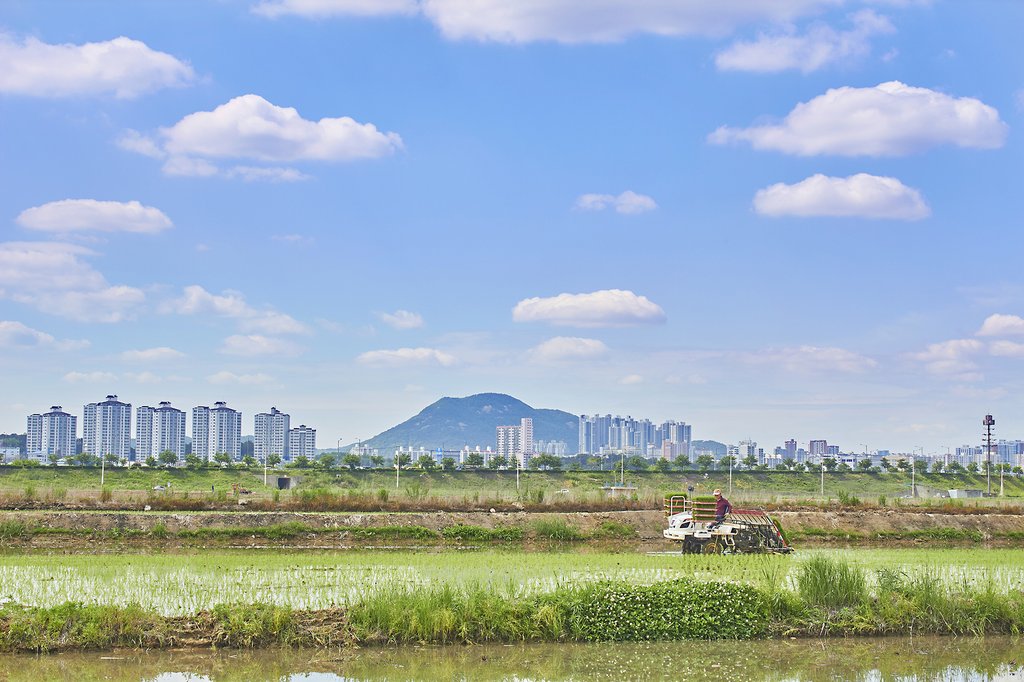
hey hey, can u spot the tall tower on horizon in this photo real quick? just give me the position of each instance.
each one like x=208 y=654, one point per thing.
x=107 y=429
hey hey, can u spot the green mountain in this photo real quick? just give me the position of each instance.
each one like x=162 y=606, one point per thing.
x=452 y=423
x=719 y=449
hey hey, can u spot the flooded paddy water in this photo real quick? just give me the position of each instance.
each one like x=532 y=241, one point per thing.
x=898 y=658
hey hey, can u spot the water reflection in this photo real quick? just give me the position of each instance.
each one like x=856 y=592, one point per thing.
x=870 y=660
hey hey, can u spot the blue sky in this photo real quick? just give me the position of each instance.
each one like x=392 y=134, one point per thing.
x=772 y=220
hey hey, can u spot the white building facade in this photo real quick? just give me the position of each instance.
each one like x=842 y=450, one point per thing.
x=158 y=430
x=271 y=435
x=302 y=442
x=216 y=430
x=51 y=435
x=515 y=442
x=107 y=429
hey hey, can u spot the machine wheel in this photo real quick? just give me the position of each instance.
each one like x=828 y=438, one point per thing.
x=713 y=547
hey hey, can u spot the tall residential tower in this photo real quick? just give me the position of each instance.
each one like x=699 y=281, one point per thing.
x=107 y=429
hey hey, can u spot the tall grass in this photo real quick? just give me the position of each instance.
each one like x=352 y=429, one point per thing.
x=831 y=583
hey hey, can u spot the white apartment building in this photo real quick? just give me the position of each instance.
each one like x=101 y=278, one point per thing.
x=302 y=442
x=216 y=430
x=271 y=435
x=516 y=442
x=107 y=429
x=159 y=429
x=51 y=434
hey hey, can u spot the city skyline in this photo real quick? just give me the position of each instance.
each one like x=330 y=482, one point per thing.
x=772 y=218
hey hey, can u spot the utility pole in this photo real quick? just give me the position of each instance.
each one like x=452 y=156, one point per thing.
x=988 y=422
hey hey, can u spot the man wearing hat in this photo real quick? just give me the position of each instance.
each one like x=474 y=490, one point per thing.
x=722 y=507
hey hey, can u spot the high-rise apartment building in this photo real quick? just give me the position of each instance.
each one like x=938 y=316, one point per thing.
x=516 y=442
x=51 y=435
x=158 y=430
x=271 y=435
x=216 y=430
x=605 y=433
x=107 y=429
x=302 y=442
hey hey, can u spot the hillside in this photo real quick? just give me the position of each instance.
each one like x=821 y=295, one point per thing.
x=454 y=422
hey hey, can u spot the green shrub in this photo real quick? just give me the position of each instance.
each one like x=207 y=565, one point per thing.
x=556 y=529
x=614 y=529
x=481 y=534
x=393 y=533
x=831 y=583
x=159 y=531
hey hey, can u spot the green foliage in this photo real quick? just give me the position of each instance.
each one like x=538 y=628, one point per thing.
x=10 y=529
x=481 y=534
x=831 y=583
x=251 y=625
x=557 y=530
x=847 y=499
x=106 y=495
x=671 y=610
x=614 y=529
x=76 y=625
x=393 y=533
x=159 y=531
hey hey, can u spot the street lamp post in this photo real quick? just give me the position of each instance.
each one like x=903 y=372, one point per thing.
x=988 y=422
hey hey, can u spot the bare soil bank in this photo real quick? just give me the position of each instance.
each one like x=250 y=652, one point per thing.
x=72 y=530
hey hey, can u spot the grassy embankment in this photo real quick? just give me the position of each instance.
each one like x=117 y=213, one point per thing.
x=370 y=599
x=831 y=598
x=345 y=490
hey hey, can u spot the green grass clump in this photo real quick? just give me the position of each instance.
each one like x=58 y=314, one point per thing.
x=76 y=625
x=472 y=533
x=613 y=530
x=393 y=533
x=831 y=583
x=251 y=625
x=13 y=529
x=557 y=530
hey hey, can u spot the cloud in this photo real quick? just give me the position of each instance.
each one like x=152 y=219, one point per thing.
x=272 y=174
x=160 y=354
x=15 y=335
x=860 y=196
x=401 y=319
x=404 y=357
x=197 y=300
x=631 y=380
x=813 y=359
x=316 y=9
x=55 y=278
x=563 y=348
x=251 y=128
x=890 y=119
x=819 y=47
x=1002 y=325
x=85 y=215
x=89 y=377
x=629 y=202
x=1007 y=349
x=951 y=358
x=254 y=345
x=122 y=66
x=607 y=308
x=224 y=378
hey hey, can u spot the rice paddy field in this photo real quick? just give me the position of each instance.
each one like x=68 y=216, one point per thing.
x=182 y=584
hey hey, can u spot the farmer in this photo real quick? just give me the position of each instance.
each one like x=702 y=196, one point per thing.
x=722 y=508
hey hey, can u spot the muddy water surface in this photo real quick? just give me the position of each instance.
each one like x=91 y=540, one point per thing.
x=918 y=659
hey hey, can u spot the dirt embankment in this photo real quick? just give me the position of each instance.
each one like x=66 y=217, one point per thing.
x=78 y=530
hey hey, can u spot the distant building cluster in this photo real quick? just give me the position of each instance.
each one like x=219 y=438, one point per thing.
x=601 y=434
x=516 y=442
x=217 y=430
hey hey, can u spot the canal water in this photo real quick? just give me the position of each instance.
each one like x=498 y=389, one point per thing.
x=871 y=660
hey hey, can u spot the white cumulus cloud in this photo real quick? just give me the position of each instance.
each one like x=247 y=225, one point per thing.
x=568 y=348
x=196 y=300
x=90 y=215
x=251 y=128
x=122 y=66
x=860 y=195
x=951 y=357
x=254 y=345
x=629 y=202
x=403 y=357
x=820 y=46
x=17 y=335
x=159 y=354
x=326 y=8
x=890 y=119
x=606 y=308
x=56 y=279
x=1007 y=349
x=1002 y=325
x=401 y=319
x=229 y=378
